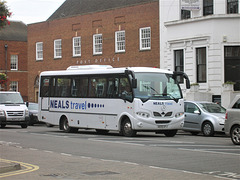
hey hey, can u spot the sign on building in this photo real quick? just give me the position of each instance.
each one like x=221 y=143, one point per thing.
x=190 y=5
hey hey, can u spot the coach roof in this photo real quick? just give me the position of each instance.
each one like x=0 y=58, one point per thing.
x=80 y=7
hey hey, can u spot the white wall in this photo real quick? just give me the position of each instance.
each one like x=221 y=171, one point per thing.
x=213 y=32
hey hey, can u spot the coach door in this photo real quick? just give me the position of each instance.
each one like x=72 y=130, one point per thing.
x=45 y=92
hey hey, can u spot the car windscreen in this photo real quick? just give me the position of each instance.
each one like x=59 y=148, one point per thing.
x=33 y=106
x=11 y=98
x=212 y=108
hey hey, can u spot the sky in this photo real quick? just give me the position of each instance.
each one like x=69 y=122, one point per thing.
x=32 y=11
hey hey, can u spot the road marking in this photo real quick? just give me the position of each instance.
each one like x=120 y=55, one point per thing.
x=204 y=151
x=27 y=168
x=65 y=154
x=131 y=163
x=116 y=142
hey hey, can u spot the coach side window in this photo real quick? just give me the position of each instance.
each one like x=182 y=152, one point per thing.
x=125 y=90
x=112 y=90
x=97 y=87
x=63 y=87
x=45 y=90
x=79 y=87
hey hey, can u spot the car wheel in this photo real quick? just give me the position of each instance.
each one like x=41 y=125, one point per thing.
x=127 y=128
x=235 y=134
x=66 y=127
x=24 y=125
x=3 y=125
x=207 y=129
x=194 y=133
x=170 y=133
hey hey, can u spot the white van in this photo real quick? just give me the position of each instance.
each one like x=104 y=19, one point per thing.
x=13 y=110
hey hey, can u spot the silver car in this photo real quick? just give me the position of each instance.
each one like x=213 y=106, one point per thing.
x=232 y=122
x=205 y=117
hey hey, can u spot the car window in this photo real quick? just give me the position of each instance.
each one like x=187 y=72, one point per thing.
x=190 y=107
x=237 y=105
x=212 y=108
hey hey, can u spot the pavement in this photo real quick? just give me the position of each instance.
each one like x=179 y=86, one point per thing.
x=23 y=163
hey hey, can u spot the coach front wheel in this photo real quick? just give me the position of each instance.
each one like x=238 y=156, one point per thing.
x=127 y=128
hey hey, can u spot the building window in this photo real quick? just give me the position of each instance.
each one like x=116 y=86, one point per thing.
x=58 y=48
x=185 y=14
x=97 y=44
x=14 y=86
x=232 y=65
x=201 y=65
x=77 y=46
x=207 y=7
x=232 y=6
x=145 y=38
x=179 y=63
x=120 y=41
x=14 y=62
x=39 y=51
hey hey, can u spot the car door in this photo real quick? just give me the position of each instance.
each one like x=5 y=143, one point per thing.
x=192 y=119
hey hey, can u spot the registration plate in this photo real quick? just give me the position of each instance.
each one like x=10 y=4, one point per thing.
x=162 y=126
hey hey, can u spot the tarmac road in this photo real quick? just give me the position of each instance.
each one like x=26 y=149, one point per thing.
x=41 y=165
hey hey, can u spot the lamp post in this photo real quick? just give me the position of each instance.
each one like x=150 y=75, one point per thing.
x=6 y=47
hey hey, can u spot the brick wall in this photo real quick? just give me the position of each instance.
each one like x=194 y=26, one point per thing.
x=15 y=48
x=106 y=23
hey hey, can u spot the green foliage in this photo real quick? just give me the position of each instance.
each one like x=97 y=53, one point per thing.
x=4 y=14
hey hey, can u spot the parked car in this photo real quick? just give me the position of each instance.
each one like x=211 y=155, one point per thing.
x=232 y=120
x=13 y=110
x=205 y=117
x=33 y=113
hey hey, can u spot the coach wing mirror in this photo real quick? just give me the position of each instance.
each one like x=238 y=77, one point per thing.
x=134 y=83
x=134 y=80
x=184 y=75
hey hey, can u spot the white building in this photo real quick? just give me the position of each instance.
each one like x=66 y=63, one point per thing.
x=202 y=38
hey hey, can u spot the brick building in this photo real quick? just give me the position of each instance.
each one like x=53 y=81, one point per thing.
x=13 y=57
x=113 y=32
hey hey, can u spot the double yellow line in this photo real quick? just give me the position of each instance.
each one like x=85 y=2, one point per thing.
x=27 y=168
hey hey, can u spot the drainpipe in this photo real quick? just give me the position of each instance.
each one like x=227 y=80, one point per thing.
x=6 y=47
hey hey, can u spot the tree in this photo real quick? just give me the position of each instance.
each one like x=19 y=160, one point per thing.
x=4 y=14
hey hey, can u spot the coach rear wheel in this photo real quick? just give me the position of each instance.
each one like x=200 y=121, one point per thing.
x=66 y=128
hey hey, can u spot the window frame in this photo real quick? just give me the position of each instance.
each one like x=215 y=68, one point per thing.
x=185 y=14
x=236 y=2
x=181 y=64
x=141 y=39
x=121 y=42
x=14 y=86
x=79 y=46
x=55 y=49
x=14 y=62
x=38 y=58
x=208 y=7
x=202 y=64
x=97 y=45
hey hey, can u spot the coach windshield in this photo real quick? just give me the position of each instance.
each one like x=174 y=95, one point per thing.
x=157 y=86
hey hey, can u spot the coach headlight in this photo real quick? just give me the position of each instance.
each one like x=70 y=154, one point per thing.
x=177 y=115
x=143 y=114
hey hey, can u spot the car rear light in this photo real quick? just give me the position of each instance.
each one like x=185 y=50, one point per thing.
x=226 y=116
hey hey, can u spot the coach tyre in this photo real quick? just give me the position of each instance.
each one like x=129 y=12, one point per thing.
x=170 y=133
x=127 y=128
x=235 y=134
x=65 y=126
